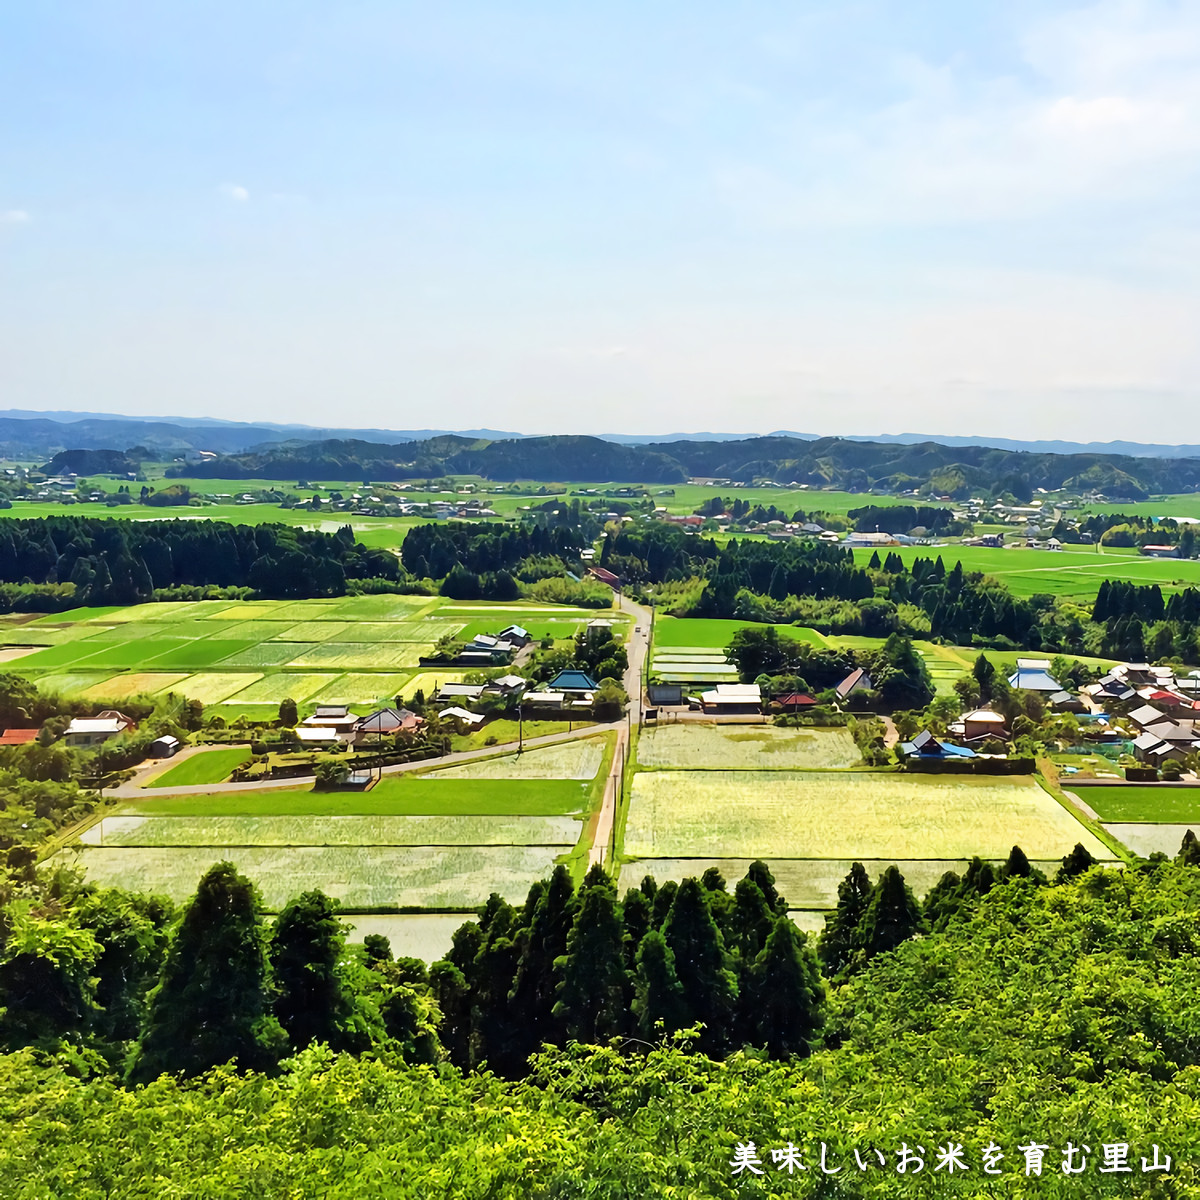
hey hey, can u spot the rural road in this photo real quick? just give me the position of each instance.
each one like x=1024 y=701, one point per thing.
x=636 y=650
x=131 y=791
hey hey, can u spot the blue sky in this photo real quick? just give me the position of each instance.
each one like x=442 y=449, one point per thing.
x=834 y=218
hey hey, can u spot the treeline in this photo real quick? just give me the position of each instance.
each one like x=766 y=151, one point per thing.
x=433 y=551
x=109 y=561
x=900 y=518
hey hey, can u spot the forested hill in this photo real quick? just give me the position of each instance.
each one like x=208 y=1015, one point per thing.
x=955 y=470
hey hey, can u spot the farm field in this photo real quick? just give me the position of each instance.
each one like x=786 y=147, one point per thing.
x=1073 y=572
x=696 y=633
x=804 y=815
x=412 y=935
x=211 y=766
x=805 y=883
x=748 y=748
x=425 y=840
x=247 y=656
x=1147 y=839
x=1142 y=805
x=333 y=831
x=361 y=877
x=402 y=793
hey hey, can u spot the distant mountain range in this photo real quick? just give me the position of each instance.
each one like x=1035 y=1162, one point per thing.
x=952 y=465
x=27 y=434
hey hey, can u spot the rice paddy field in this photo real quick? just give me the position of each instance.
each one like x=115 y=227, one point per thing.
x=435 y=841
x=209 y=766
x=247 y=656
x=1146 y=805
x=810 y=825
x=747 y=748
x=1147 y=839
x=807 y=884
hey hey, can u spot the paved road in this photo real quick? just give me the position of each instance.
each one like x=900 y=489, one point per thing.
x=636 y=649
x=131 y=791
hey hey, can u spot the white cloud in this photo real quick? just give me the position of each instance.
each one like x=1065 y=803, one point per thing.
x=235 y=191
x=14 y=216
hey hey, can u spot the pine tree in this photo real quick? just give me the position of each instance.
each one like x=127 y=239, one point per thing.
x=759 y=873
x=496 y=1028
x=1019 y=867
x=701 y=963
x=314 y=1001
x=592 y=1000
x=893 y=916
x=750 y=922
x=943 y=901
x=658 y=994
x=542 y=944
x=635 y=916
x=450 y=992
x=211 y=1003
x=1075 y=863
x=788 y=992
x=839 y=939
x=663 y=899
x=1189 y=850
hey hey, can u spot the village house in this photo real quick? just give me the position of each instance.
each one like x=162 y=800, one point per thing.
x=84 y=732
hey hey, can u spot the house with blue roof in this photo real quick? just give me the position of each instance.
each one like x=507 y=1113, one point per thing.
x=1033 y=675
x=925 y=745
x=572 y=683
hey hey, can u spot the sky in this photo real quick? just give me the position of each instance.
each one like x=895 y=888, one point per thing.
x=849 y=217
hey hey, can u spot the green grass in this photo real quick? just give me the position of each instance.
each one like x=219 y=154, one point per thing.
x=211 y=766
x=670 y=632
x=503 y=730
x=1149 y=805
x=778 y=814
x=401 y=794
x=751 y=748
x=1076 y=573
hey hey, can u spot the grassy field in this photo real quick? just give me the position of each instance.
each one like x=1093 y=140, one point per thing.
x=235 y=654
x=779 y=814
x=1143 y=805
x=400 y=794
x=296 y=830
x=747 y=748
x=1075 y=572
x=211 y=766
x=674 y=633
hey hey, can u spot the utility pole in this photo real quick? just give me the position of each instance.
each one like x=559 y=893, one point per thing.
x=520 y=725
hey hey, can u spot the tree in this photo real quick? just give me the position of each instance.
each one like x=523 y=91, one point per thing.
x=288 y=713
x=1075 y=863
x=709 y=986
x=1019 y=867
x=591 y=1002
x=840 y=938
x=788 y=992
x=658 y=994
x=893 y=916
x=759 y=873
x=544 y=942
x=1189 y=850
x=901 y=676
x=452 y=995
x=984 y=673
x=315 y=1000
x=212 y=1003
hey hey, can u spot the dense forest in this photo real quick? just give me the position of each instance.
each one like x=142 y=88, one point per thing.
x=63 y=562
x=956 y=471
x=1006 y=1013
